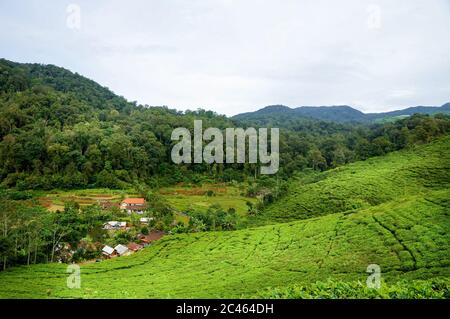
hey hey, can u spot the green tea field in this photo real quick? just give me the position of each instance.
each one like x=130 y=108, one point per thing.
x=409 y=239
x=366 y=184
x=392 y=211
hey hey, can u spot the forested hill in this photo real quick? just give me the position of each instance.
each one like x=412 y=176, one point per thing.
x=392 y=211
x=59 y=129
x=342 y=114
x=20 y=77
x=280 y=113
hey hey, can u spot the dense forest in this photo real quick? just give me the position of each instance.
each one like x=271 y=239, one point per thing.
x=61 y=130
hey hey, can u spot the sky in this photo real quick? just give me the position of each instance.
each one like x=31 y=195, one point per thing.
x=235 y=56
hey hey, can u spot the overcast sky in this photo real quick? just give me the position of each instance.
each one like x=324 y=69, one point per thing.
x=237 y=56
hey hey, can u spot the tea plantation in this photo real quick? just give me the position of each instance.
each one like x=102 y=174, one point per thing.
x=365 y=184
x=392 y=211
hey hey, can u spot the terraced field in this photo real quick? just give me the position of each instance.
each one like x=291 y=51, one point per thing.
x=55 y=200
x=185 y=198
x=393 y=211
x=181 y=198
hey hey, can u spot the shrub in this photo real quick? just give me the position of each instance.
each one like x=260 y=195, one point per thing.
x=420 y=289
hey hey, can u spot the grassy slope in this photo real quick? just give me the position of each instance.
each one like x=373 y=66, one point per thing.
x=408 y=235
x=417 y=289
x=367 y=183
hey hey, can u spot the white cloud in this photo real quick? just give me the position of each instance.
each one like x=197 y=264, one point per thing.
x=236 y=56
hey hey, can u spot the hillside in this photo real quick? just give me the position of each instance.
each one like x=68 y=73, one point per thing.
x=278 y=114
x=409 y=239
x=366 y=183
x=407 y=233
x=61 y=130
x=22 y=76
x=411 y=110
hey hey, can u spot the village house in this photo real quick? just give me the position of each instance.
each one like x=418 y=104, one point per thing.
x=148 y=239
x=134 y=247
x=108 y=252
x=121 y=250
x=145 y=220
x=133 y=205
x=115 y=225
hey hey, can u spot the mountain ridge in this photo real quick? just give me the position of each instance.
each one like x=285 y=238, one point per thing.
x=101 y=97
x=336 y=113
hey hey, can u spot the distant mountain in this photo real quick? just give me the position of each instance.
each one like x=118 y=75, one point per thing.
x=339 y=113
x=412 y=110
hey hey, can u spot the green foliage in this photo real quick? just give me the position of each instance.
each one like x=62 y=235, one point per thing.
x=418 y=289
x=279 y=115
x=364 y=184
x=61 y=130
x=144 y=230
x=31 y=234
x=232 y=264
x=122 y=237
x=215 y=218
x=193 y=197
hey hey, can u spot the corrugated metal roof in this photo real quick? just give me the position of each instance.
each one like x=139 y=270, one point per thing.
x=121 y=249
x=108 y=250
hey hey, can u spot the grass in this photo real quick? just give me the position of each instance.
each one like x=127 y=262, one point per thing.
x=185 y=198
x=365 y=184
x=391 y=211
x=417 y=289
x=242 y=263
x=182 y=198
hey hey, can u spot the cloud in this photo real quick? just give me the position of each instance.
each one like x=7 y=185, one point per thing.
x=237 y=56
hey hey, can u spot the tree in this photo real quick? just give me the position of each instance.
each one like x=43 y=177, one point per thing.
x=316 y=159
x=7 y=220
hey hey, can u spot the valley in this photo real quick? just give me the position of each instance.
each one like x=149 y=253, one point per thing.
x=407 y=235
x=87 y=179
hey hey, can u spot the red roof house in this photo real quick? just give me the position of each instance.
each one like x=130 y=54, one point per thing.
x=134 y=201
x=147 y=239
x=134 y=247
x=133 y=205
